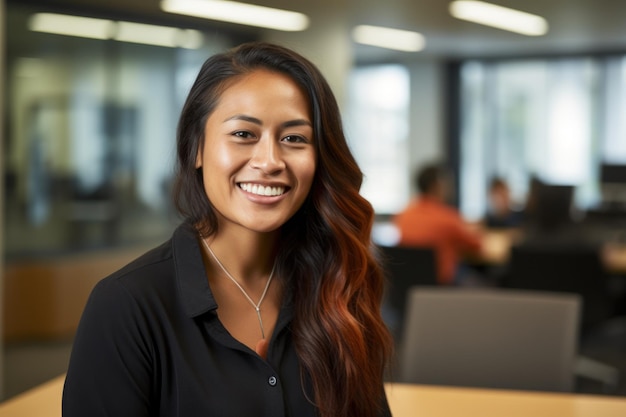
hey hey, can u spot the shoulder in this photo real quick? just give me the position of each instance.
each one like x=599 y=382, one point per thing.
x=411 y=209
x=152 y=274
x=129 y=304
x=158 y=264
x=147 y=270
x=130 y=290
x=166 y=277
x=440 y=211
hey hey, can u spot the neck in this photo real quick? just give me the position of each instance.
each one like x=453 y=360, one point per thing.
x=431 y=197
x=248 y=256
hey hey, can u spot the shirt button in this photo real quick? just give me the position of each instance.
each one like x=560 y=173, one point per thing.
x=272 y=381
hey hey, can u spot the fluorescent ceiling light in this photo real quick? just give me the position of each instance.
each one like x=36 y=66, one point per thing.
x=158 y=35
x=86 y=27
x=499 y=17
x=401 y=40
x=83 y=27
x=242 y=13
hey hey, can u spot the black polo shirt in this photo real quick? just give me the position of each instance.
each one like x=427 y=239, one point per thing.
x=150 y=344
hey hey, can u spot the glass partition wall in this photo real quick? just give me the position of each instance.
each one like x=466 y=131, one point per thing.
x=90 y=132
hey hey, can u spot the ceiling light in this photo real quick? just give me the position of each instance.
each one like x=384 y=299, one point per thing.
x=401 y=40
x=242 y=13
x=158 y=35
x=499 y=17
x=86 y=27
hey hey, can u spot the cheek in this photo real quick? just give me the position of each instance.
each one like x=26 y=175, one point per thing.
x=215 y=169
x=307 y=173
x=220 y=159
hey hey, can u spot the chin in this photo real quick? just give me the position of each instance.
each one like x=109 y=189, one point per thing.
x=265 y=227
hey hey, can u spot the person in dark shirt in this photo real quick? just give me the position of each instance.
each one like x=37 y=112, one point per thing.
x=266 y=299
x=500 y=213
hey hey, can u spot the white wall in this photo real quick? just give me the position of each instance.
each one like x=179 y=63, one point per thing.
x=426 y=125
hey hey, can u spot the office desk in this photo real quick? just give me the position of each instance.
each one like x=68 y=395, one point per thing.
x=430 y=401
x=41 y=401
x=497 y=246
x=405 y=401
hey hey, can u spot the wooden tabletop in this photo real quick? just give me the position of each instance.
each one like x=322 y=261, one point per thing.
x=405 y=401
x=42 y=401
x=432 y=401
x=497 y=247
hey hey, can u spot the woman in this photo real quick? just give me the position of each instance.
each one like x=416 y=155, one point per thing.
x=266 y=301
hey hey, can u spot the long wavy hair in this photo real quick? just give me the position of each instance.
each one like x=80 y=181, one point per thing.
x=324 y=249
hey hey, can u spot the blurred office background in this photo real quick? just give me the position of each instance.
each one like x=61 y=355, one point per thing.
x=89 y=127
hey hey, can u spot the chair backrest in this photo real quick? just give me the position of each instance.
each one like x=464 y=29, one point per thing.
x=560 y=268
x=491 y=338
x=405 y=267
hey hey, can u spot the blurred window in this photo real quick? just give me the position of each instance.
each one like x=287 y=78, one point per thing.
x=377 y=126
x=556 y=119
x=614 y=149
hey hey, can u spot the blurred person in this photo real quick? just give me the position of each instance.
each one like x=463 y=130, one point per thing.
x=430 y=222
x=266 y=300
x=500 y=213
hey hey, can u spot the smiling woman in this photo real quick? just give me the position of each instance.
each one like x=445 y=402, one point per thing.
x=269 y=290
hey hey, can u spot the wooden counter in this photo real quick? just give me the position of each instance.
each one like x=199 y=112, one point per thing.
x=44 y=298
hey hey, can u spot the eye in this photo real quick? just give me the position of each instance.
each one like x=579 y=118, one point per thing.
x=295 y=139
x=243 y=134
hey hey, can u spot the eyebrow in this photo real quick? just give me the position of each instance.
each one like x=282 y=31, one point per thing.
x=289 y=123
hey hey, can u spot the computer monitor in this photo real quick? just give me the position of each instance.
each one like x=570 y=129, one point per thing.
x=553 y=205
x=613 y=174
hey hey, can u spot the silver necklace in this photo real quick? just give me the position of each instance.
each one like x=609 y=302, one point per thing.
x=257 y=306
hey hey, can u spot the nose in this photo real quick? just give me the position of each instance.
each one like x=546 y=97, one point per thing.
x=267 y=156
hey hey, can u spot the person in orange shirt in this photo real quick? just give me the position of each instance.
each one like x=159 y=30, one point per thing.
x=428 y=221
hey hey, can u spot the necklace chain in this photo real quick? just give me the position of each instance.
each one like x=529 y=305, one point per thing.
x=257 y=306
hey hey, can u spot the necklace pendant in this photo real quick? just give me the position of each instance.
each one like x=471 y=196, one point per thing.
x=258 y=314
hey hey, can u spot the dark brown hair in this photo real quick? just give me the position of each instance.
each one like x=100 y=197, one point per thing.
x=427 y=177
x=324 y=250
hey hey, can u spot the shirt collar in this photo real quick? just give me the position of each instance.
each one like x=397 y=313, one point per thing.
x=190 y=272
x=191 y=275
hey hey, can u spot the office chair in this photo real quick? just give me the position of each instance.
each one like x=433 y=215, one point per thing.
x=490 y=338
x=405 y=267
x=576 y=269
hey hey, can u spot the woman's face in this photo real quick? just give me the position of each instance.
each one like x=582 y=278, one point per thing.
x=258 y=160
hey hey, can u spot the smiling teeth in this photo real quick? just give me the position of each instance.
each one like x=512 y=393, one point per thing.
x=262 y=190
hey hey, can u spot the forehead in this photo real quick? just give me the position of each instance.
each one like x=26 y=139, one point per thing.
x=261 y=90
x=263 y=81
